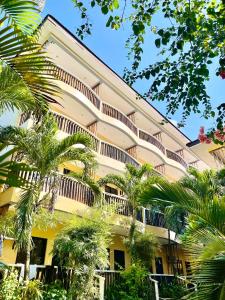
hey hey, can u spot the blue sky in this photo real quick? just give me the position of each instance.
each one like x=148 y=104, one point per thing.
x=109 y=46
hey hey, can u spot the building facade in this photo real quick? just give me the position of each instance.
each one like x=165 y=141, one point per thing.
x=125 y=129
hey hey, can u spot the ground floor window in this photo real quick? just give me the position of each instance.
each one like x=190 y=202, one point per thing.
x=188 y=268
x=37 y=255
x=159 y=265
x=119 y=260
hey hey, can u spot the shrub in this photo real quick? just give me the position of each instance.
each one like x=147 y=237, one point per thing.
x=132 y=285
x=54 y=292
x=33 y=290
x=83 y=248
x=10 y=288
x=173 y=290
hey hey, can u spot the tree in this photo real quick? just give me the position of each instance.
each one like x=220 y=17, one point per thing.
x=131 y=184
x=10 y=171
x=25 y=78
x=83 y=247
x=203 y=198
x=40 y=148
x=190 y=39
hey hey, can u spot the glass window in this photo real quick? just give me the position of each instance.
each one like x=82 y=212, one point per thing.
x=119 y=260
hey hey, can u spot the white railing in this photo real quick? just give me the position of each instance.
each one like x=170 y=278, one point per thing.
x=156 y=287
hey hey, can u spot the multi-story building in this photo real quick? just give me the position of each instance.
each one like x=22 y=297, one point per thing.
x=125 y=129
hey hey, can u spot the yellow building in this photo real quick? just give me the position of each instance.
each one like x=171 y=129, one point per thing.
x=124 y=129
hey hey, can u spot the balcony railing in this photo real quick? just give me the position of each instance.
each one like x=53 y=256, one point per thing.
x=117 y=153
x=110 y=111
x=114 y=113
x=70 y=127
x=152 y=140
x=120 y=204
x=174 y=156
x=78 y=85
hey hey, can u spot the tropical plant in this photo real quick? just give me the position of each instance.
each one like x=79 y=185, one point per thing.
x=10 y=171
x=54 y=292
x=40 y=148
x=33 y=290
x=203 y=198
x=82 y=247
x=131 y=184
x=144 y=248
x=189 y=36
x=132 y=284
x=25 y=78
x=10 y=288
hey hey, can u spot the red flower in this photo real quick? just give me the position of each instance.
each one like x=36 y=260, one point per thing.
x=222 y=74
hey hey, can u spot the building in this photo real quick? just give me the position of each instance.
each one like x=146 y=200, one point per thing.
x=125 y=130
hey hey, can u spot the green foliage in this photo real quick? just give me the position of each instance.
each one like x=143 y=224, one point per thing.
x=83 y=247
x=10 y=288
x=144 y=248
x=25 y=78
x=54 y=292
x=40 y=148
x=133 y=284
x=172 y=290
x=189 y=41
x=202 y=196
x=132 y=184
x=10 y=170
x=33 y=290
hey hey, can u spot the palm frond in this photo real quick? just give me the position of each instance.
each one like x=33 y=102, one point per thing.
x=23 y=55
x=14 y=93
x=11 y=172
x=22 y=13
x=72 y=140
x=116 y=180
x=24 y=216
x=91 y=183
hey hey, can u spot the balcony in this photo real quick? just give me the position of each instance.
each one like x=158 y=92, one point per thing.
x=174 y=156
x=152 y=140
x=114 y=113
x=167 y=156
x=77 y=191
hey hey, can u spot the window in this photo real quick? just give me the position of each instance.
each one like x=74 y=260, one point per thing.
x=159 y=265
x=37 y=254
x=110 y=190
x=119 y=260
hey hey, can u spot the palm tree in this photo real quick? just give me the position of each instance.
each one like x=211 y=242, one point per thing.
x=22 y=59
x=131 y=184
x=40 y=148
x=10 y=171
x=202 y=196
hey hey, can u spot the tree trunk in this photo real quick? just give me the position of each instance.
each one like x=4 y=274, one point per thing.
x=27 y=261
x=55 y=189
x=132 y=232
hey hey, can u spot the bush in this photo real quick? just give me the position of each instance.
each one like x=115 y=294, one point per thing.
x=173 y=290
x=133 y=285
x=33 y=290
x=10 y=288
x=54 y=292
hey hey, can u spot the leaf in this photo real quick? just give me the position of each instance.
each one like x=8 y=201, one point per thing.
x=105 y=10
x=158 y=43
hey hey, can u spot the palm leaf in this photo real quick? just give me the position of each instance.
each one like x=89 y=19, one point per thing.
x=22 y=53
x=22 y=13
